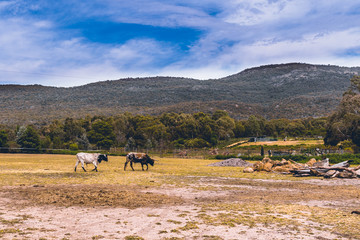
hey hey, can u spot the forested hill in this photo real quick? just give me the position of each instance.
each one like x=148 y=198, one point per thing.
x=274 y=91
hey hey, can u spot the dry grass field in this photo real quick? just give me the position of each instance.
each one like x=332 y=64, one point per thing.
x=41 y=197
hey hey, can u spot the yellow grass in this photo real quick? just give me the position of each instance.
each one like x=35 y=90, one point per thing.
x=27 y=169
x=282 y=204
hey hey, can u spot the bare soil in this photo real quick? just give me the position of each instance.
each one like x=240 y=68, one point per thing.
x=202 y=208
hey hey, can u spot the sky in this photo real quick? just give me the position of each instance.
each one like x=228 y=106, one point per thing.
x=70 y=42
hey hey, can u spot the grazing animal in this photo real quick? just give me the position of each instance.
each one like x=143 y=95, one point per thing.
x=87 y=158
x=142 y=158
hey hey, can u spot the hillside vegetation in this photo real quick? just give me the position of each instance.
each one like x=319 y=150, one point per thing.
x=275 y=91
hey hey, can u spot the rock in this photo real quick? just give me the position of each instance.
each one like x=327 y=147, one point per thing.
x=248 y=170
x=268 y=166
x=267 y=160
x=281 y=169
x=284 y=162
x=277 y=163
x=258 y=166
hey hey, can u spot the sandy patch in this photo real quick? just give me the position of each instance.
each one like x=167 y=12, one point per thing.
x=167 y=212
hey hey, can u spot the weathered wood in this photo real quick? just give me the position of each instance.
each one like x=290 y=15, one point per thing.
x=322 y=163
x=315 y=172
x=301 y=171
x=331 y=174
x=346 y=174
x=358 y=173
x=340 y=170
x=343 y=164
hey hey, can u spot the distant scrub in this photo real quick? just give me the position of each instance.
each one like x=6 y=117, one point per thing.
x=334 y=158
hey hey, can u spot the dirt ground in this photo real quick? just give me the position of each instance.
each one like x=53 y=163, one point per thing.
x=198 y=208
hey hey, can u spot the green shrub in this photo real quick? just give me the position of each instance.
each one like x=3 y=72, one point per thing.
x=73 y=147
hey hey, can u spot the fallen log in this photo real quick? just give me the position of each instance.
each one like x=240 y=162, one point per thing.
x=343 y=164
x=331 y=174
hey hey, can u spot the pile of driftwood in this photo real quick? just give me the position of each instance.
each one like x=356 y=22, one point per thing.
x=340 y=170
x=313 y=167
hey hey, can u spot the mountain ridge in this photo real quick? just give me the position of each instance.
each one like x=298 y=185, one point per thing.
x=291 y=90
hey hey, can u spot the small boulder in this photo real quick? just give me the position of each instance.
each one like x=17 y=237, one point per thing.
x=266 y=160
x=284 y=162
x=248 y=170
x=268 y=166
x=277 y=163
x=282 y=169
x=258 y=166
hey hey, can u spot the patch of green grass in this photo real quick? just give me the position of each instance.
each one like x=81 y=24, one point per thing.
x=174 y=221
x=9 y=230
x=182 y=215
x=97 y=237
x=212 y=237
x=133 y=237
x=153 y=215
x=173 y=238
x=11 y=222
x=189 y=226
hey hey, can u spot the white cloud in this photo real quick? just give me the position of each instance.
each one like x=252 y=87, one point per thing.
x=5 y=4
x=262 y=11
x=236 y=34
x=324 y=49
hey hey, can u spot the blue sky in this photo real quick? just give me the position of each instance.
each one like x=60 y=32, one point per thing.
x=71 y=43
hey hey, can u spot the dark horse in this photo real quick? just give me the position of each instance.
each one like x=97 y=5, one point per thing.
x=142 y=158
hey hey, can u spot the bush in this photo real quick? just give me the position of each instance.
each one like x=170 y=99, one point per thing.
x=73 y=147
x=197 y=143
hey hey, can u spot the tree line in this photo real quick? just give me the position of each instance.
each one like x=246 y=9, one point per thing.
x=170 y=130
x=180 y=130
